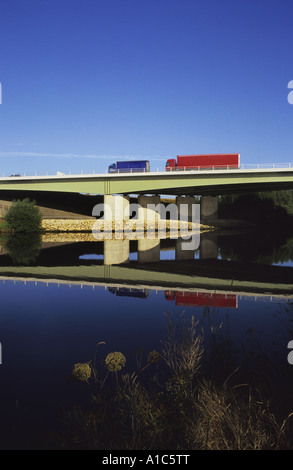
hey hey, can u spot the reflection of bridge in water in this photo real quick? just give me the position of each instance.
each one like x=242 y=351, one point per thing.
x=189 y=276
x=183 y=298
x=86 y=263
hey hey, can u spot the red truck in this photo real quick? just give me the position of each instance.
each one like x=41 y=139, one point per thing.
x=204 y=162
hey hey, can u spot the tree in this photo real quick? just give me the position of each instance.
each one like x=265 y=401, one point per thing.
x=24 y=216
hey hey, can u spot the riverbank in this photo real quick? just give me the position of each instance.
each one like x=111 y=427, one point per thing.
x=87 y=225
x=90 y=225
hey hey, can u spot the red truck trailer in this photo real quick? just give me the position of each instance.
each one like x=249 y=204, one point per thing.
x=201 y=299
x=204 y=162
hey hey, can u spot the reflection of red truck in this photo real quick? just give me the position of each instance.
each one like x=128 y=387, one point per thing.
x=201 y=299
x=204 y=162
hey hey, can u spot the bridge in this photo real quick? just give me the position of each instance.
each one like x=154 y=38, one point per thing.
x=144 y=263
x=185 y=298
x=213 y=277
x=148 y=186
x=147 y=263
x=212 y=182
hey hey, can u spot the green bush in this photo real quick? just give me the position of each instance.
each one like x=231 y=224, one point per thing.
x=24 y=216
x=23 y=248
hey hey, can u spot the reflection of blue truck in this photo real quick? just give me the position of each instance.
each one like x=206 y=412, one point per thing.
x=129 y=292
x=128 y=167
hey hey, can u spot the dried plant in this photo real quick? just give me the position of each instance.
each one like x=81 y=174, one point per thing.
x=181 y=410
x=183 y=349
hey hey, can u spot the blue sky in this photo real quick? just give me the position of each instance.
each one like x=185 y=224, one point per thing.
x=87 y=82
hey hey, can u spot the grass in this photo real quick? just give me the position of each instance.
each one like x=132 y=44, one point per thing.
x=171 y=401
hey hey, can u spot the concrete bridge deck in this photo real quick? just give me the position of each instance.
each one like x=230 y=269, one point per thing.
x=177 y=182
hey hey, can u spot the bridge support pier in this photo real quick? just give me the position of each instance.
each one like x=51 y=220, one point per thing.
x=186 y=212
x=148 y=212
x=181 y=253
x=148 y=250
x=116 y=251
x=208 y=209
x=116 y=208
x=208 y=246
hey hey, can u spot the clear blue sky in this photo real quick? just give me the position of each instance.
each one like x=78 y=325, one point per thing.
x=87 y=82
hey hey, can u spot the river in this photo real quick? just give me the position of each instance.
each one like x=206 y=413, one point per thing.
x=59 y=299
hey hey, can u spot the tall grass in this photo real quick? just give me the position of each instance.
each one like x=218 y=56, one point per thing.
x=170 y=402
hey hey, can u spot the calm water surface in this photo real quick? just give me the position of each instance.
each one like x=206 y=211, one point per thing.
x=58 y=303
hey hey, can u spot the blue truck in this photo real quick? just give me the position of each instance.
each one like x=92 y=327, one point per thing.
x=129 y=167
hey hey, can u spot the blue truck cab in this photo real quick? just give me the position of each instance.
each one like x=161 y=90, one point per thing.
x=129 y=167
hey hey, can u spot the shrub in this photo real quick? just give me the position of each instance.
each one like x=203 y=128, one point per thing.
x=23 y=248
x=23 y=216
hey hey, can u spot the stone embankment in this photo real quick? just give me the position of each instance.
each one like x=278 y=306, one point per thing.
x=92 y=229
x=67 y=225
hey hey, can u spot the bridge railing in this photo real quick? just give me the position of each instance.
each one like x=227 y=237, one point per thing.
x=245 y=166
x=154 y=169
